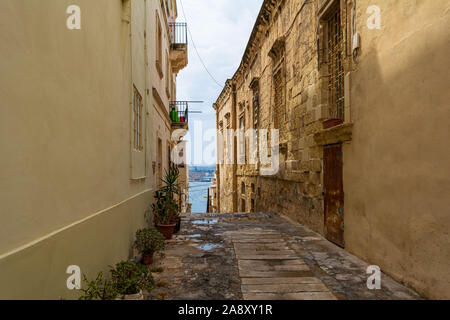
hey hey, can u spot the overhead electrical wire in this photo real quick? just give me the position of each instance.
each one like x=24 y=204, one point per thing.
x=195 y=47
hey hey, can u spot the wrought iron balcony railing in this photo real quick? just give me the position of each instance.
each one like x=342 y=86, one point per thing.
x=178 y=34
x=179 y=111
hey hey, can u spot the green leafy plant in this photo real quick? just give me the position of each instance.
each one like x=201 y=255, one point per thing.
x=171 y=187
x=99 y=289
x=157 y=270
x=165 y=209
x=131 y=277
x=149 y=241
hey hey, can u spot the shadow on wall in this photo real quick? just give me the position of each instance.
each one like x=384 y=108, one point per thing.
x=396 y=168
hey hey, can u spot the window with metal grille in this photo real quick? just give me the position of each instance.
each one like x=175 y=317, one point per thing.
x=335 y=65
x=277 y=54
x=256 y=106
x=242 y=142
x=279 y=99
x=137 y=120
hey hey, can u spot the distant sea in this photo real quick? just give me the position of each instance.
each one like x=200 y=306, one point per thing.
x=198 y=193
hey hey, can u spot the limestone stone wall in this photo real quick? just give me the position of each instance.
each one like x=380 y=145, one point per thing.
x=297 y=188
x=395 y=154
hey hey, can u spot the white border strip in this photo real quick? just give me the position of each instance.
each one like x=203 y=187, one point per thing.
x=48 y=236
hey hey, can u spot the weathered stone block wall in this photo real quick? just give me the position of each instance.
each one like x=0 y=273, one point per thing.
x=395 y=150
x=297 y=188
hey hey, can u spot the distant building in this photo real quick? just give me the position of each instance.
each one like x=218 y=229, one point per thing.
x=212 y=196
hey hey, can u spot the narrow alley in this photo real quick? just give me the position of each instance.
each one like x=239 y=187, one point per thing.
x=262 y=256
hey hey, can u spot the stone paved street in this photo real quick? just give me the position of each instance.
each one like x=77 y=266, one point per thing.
x=260 y=257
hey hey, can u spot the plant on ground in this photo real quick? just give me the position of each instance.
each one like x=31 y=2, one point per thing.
x=131 y=277
x=157 y=270
x=165 y=209
x=99 y=289
x=149 y=241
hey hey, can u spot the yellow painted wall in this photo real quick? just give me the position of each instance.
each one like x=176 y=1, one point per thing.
x=396 y=169
x=66 y=194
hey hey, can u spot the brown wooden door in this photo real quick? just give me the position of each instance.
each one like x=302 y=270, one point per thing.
x=334 y=194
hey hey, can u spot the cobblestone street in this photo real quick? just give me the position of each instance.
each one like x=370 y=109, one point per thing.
x=262 y=257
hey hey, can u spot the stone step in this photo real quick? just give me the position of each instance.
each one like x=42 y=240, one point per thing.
x=258 y=232
x=262 y=240
x=266 y=257
x=303 y=267
x=274 y=274
x=280 y=280
x=256 y=236
x=290 y=296
x=265 y=252
x=284 y=288
x=256 y=263
x=261 y=247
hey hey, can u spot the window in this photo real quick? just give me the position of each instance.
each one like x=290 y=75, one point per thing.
x=137 y=120
x=228 y=120
x=278 y=79
x=279 y=97
x=242 y=205
x=242 y=144
x=255 y=103
x=243 y=188
x=158 y=46
x=253 y=188
x=335 y=65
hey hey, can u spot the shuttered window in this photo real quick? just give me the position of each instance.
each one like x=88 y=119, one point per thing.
x=279 y=98
x=335 y=65
x=137 y=120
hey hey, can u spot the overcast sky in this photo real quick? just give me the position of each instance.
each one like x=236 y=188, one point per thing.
x=220 y=30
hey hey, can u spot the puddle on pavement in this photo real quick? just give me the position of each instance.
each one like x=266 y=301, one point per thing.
x=209 y=246
x=194 y=236
x=205 y=222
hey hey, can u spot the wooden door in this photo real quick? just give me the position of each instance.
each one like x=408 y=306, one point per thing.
x=334 y=194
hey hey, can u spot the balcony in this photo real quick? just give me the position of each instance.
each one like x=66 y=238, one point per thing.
x=178 y=45
x=179 y=114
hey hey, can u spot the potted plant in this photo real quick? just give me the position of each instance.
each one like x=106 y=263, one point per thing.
x=148 y=242
x=99 y=289
x=130 y=279
x=165 y=208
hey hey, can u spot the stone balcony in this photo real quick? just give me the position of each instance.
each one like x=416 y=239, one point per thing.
x=178 y=46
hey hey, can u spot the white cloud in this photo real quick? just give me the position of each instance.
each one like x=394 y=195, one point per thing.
x=220 y=30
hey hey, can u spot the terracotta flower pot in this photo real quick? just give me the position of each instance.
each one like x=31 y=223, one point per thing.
x=330 y=123
x=166 y=230
x=147 y=259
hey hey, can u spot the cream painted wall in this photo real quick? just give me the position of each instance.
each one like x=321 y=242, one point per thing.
x=66 y=192
x=161 y=128
x=396 y=169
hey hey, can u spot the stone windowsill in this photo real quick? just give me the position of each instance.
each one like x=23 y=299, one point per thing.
x=338 y=134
